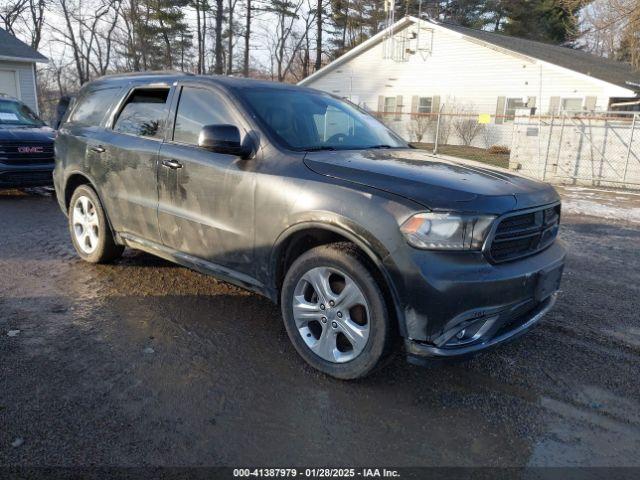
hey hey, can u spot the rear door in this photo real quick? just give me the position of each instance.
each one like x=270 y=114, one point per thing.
x=206 y=199
x=128 y=153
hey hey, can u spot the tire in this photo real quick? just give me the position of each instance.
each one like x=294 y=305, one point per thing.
x=90 y=232
x=346 y=339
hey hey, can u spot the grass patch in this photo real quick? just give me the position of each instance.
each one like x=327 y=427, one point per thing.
x=469 y=153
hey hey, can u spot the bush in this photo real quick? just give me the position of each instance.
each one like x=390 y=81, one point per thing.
x=419 y=126
x=499 y=150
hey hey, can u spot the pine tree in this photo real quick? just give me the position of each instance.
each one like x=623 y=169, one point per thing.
x=542 y=20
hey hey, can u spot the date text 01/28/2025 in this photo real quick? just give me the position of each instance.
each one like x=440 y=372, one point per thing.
x=316 y=473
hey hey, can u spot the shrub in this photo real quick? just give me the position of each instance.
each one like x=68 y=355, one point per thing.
x=499 y=150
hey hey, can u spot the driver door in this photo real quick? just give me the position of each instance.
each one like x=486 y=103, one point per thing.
x=206 y=199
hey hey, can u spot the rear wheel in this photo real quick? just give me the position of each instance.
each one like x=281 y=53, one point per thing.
x=90 y=232
x=334 y=311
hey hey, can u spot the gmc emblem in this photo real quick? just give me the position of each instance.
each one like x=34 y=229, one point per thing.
x=30 y=149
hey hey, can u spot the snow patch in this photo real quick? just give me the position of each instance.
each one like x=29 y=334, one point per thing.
x=580 y=206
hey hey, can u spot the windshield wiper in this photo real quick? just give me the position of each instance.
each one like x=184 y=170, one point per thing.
x=319 y=148
x=380 y=146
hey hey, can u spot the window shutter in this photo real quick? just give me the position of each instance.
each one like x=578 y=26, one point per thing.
x=502 y=101
x=415 y=104
x=380 y=105
x=435 y=104
x=554 y=105
x=399 y=107
x=590 y=103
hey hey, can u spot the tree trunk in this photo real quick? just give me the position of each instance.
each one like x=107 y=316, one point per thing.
x=199 y=34
x=219 y=66
x=280 y=55
x=232 y=6
x=247 y=37
x=205 y=9
x=318 y=65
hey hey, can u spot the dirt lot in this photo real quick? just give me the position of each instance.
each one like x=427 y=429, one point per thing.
x=146 y=363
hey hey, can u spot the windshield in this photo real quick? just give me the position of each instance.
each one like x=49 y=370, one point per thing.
x=18 y=114
x=305 y=120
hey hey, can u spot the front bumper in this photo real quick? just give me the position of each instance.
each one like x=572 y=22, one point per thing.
x=443 y=293
x=22 y=176
x=510 y=329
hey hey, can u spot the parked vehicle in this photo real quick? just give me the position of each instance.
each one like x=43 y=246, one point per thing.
x=26 y=147
x=304 y=198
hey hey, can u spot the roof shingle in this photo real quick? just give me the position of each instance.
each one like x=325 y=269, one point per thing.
x=617 y=73
x=11 y=47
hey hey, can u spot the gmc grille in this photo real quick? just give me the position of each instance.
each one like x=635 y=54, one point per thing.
x=21 y=153
x=521 y=235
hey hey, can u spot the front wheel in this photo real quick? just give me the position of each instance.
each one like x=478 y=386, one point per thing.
x=90 y=232
x=334 y=311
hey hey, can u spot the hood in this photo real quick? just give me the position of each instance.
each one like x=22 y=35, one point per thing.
x=26 y=134
x=434 y=182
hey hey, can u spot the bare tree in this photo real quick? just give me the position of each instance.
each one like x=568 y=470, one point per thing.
x=465 y=124
x=88 y=33
x=218 y=50
x=289 y=36
x=11 y=13
x=419 y=126
x=319 y=30
x=610 y=27
x=247 y=37
x=36 y=12
x=198 y=6
x=231 y=7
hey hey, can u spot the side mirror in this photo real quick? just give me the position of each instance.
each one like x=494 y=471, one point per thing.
x=221 y=139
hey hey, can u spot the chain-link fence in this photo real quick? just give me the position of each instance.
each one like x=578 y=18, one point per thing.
x=582 y=148
x=453 y=128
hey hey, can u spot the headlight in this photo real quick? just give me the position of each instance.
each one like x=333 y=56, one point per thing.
x=447 y=231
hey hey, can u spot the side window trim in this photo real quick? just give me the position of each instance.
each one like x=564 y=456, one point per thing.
x=179 y=88
x=115 y=112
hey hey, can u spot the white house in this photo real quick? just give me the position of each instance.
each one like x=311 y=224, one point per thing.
x=417 y=66
x=18 y=69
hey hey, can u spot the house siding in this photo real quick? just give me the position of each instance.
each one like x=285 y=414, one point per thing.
x=463 y=71
x=26 y=81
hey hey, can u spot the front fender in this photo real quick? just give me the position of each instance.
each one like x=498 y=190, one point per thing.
x=353 y=232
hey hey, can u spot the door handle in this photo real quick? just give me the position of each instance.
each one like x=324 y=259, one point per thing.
x=97 y=148
x=173 y=164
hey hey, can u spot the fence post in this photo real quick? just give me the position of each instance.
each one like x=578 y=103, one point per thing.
x=546 y=158
x=435 y=142
x=626 y=165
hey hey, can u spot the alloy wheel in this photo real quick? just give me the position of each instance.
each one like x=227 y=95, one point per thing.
x=331 y=314
x=86 y=225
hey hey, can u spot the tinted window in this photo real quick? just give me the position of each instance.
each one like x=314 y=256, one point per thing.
x=93 y=106
x=305 y=120
x=198 y=107
x=144 y=113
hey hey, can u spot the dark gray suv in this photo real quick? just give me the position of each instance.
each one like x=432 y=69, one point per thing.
x=313 y=203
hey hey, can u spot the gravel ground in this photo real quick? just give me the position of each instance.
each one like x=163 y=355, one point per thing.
x=147 y=363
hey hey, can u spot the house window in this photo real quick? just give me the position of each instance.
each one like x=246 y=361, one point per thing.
x=511 y=105
x=425 y=105
x=390 y=105
x=571 y=104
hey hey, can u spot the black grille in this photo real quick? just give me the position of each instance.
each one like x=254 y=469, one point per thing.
x=26 y=153
x=521 y=235
x=26 y=179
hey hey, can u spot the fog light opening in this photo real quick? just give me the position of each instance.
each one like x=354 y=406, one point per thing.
x=475 y=332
